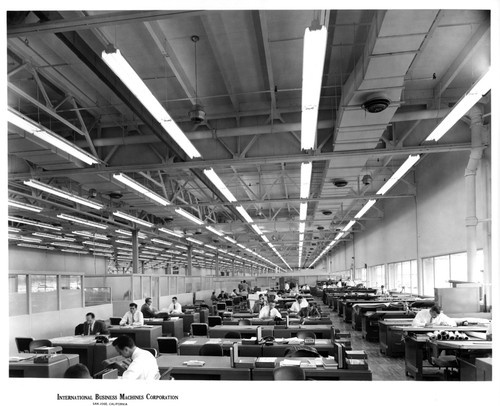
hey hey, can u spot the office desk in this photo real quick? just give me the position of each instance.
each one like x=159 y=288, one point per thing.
x=173 y=327
x=245 y=331
x=391 y=340
x=318 y=373
x=321 y=330
x=188 y=319
x=144 y=337
x=91 y=353
x=484 y=368
x=215 y=368
x=26 y=368
x=370 y=321
x=416 y=364
x=323 y=345
x=192 y=345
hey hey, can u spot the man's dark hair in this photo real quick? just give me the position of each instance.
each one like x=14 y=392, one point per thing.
x=77 y=371
x=435 y=309
x=175 y=297
x=299 y=297
x=91 y=315
x=133 y=305
x=147 y=299
x=123 y=341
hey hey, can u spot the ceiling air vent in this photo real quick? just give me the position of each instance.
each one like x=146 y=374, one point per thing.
x=340 y=182
x=376 y=105
x=326 y=212
x=197 y=115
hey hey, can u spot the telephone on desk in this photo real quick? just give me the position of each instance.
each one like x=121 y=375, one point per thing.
x=120 y=363
x=101 y=339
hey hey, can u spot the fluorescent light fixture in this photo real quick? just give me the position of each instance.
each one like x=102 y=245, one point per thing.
x=156 y=248
x=302 y=227
x=13 y=230
x=33 y=223
x=305 y=179
x=170 y=232
x=365 y=208
x=82 y=221
x=348 y=226
x=132 y=218
x=163 y=242
x=23 y=238
x=40 y=247
x=339 y=236
x=129 y=233
x=61 y=193
x=215 y=231
x=129 y=77
x=76 y=251
x=189 y=216
x=24 y=206
x=214 y=178
x=244 y=214
x=30 y=126
x=480 y=88
x=403 y=169
x=88 y=234
x=182 y=247
x=66 y=245
x=209 y=254
x=303 y=212
x=98 y=244
x=257 y=229
x=312 y=76
x=210 y=246
x=124 y=242
x=265 y=238
x=194 y=240
x=231 y=239
x=241 y=246
x=99 y=250
x=53 y=236
x=126 y=180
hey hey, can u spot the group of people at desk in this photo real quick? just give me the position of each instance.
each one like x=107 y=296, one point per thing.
x=268 y=310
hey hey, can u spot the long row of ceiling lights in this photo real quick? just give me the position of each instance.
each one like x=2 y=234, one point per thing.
x=315 y=38
x=478 y=90
x=118 y=64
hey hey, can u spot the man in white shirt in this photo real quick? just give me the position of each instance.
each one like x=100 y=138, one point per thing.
x=432 y=317
x=298 y=304
x=269 y=311
x=349 y=282
x=143 y=365
x=174 y=307
x=133 y=317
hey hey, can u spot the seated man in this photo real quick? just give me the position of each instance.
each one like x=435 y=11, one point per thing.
x=233 y=294
x=147 y=309
x=174 y=307
x=143 y=365
x=93 y=326
x=77 y=371
x=269 y=311
x=132 y=317
x=299 y=304
x=259 y=304
x=432 y=317
x=313 y=311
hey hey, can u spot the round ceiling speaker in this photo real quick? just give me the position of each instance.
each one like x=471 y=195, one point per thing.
x=376 y=105
x=340 y=182
x=326 y=212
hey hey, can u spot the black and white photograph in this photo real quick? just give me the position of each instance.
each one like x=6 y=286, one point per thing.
x=205 y=197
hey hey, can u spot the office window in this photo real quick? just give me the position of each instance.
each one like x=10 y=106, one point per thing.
x=360 y=275
x=375 y=276
x=146 y=286
x=71 y=291
x=458 y=267
x=428 y=276
x=43 y=293
x=18 y=297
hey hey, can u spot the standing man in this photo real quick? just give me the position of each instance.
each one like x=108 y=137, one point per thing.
x=143 y=365
x=93 y=326
x=132 y=317
x=147 y=309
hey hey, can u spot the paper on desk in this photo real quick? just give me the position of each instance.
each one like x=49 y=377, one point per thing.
x=214 y=341
x=290 y=362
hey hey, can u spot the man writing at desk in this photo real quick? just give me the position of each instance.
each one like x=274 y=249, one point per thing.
x=269 y=311
x=132 y=317
x=432 y=317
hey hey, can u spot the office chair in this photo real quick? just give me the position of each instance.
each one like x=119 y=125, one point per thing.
x=244 y=322
x=199 y=329
x=115 y=321
x=306 y=334
x=165 y=375
x=302 y=352
x=151 y=350
x=211 y=349
x=233 y=334
x=79 y=329
x=441 y=360
x=39 y=343
x=23 y=344
x=214 y=321
x=290 y=373
x=168 y=345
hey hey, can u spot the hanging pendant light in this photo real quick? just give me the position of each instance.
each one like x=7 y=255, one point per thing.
x=197 y=114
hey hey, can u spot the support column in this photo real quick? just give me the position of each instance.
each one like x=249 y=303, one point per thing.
x=217 y=270
x=189 y=266
x=135 y=251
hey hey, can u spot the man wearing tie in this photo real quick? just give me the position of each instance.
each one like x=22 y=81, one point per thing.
x=93 y=326
x=133 y=317
x=269 y=311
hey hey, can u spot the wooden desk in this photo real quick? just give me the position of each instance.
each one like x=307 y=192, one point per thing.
x=215 y=368
x=321 y=330
x=245 y=331
x=188 y=319
x=144 y=337
x=323 y=345
x=172 y=328
x=391 y=341
x=370 y=321
x=91 y=353
x=484 y=368
x=27 y=368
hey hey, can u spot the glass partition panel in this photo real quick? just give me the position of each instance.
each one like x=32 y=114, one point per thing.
x=97 y=296
x=146 y=286
x=458 y=267
x=43 y=293
x=428 y=276
x=137 y=288
x=442 y=271
x=71 y=291
x=18 y=297
x=164 y=283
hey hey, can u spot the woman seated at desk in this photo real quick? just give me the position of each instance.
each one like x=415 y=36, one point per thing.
x=432 y=317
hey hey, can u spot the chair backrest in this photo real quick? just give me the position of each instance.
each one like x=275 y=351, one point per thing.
x=43 y=342
x=79 y=329
x=151 y=350
x=114 y=321
x=199 y=329
x=214 y=321
x=306 y=334
x=289 y=373
x=168 y=345
x=301 y=352
x=23 y=343
x=233 y=334
x=165 y=375
x=244 y=322
x=211 y=349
